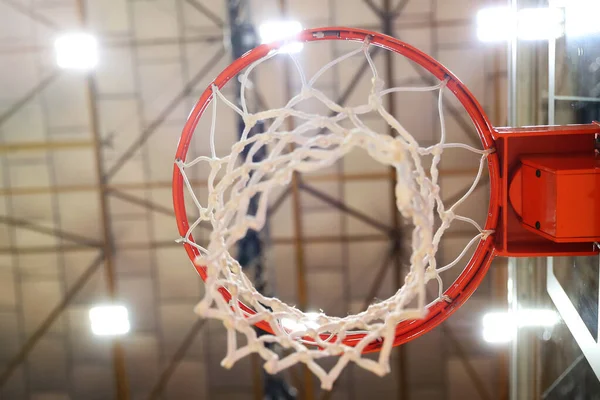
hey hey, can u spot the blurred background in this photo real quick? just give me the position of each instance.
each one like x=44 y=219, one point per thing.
x=96 y=297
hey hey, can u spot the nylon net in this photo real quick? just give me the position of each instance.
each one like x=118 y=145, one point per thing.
x=318 y=141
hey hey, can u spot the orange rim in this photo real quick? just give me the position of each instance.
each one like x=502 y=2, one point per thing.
x=472 y=275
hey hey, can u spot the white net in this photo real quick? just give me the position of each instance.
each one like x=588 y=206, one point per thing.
x=318 y=141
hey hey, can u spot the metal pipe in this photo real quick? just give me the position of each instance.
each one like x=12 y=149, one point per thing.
x=464 y=359
x=378 y=281
x=163 y=115
x=120 y=372
x=347 y=209
x=301 y=283
x=366 y=176
x=31 y=14
x=170 y=243
x=207 y=13
x=118 y=353
x=15 y=261
x=12 y=110
x=30 y=226
x=43 y=146
x=166 y=374
x=20 y=357
x=388 y=15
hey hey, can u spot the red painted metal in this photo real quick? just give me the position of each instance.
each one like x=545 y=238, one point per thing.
x=562 y=194
x=512 y=237
x=518 y=238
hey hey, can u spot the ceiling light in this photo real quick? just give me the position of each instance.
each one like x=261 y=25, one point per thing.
x=77 y=51
x=539 y=23
x=501 y=327
x=274 y=31
x=496 y=24
x=581 y=18
x=501 y=24
x=109 y=320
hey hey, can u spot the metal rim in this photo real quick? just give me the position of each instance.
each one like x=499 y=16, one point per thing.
x=473 y=273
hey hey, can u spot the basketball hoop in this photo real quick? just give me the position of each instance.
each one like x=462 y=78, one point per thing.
x=512 y=227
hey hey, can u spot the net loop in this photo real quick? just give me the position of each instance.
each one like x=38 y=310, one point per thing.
x=318 y=141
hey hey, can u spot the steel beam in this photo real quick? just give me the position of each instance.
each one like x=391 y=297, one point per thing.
x=22 y=354
x=37 y=89
x=364 y=176
x=388 y=15
x=172 y=243
x=45 y=146
x=207 y=12
x=123 y=43
x=379 y=276
x=471 y=371
x=396 y=11
x=307 y=390
x=188 y=340
x=347 y=209
x=31 y=226
x=118 y=352
x=164 y=114
x=484 y=180
x=35 y=16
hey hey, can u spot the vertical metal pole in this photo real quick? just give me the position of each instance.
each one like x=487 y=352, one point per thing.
x=119 y=368
x=301 y=284
x=551 y=80
x=512 y=73
x=18 y=285
x=243 y=38
x=388 y=20
x=120 y=372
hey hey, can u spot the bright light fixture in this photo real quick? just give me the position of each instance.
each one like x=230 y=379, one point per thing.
x=496 y=24
x=501 y=327
x=77 y=51
x=498 y=327
x=503 y=23
x=581 y=18
x=109 y=320
x=274 y=31
x=540 y=23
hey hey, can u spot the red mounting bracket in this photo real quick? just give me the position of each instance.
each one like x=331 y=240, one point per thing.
x=550 y=197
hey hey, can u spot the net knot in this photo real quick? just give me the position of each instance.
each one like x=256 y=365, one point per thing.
x=323 y=140
x=485 y=233
x=374 y=101
x=249 y=120
x=430 y=273
x=267 y=166
x=448 y=215
x=205 y=214
x=306 y=92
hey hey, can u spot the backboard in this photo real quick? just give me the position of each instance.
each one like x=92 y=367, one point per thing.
x=556 y=82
